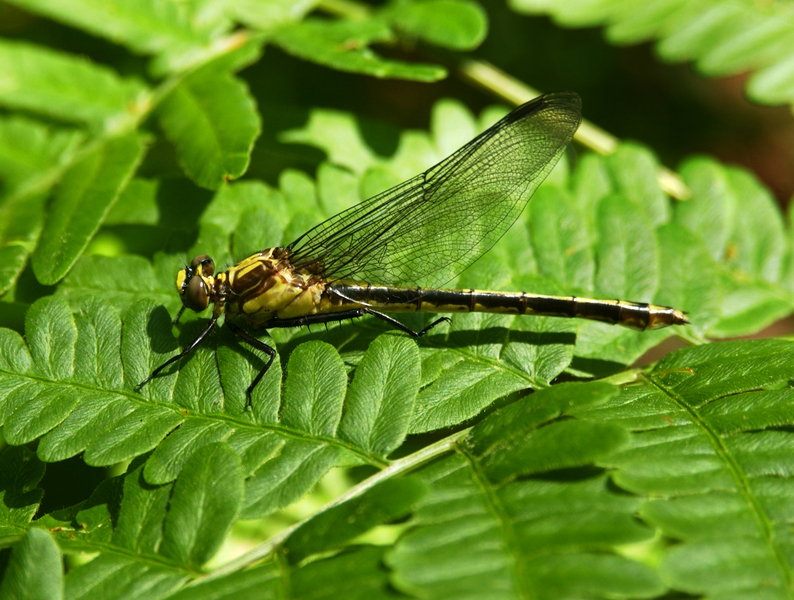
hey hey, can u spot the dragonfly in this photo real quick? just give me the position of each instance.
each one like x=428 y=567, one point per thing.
x=395 y=251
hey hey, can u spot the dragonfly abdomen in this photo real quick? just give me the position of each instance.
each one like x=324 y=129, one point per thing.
x=633 y=315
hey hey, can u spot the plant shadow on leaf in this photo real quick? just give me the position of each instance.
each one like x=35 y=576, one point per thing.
x=90 y=515
x=382 y=139
x=70 y=481
x=272 y=154
x=596 y=367
x=348 y=336
x=572 y=474
x=179 y=204
x=357 y=335
x=462 y=339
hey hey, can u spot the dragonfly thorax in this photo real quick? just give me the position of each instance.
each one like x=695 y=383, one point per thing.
x=266 y=286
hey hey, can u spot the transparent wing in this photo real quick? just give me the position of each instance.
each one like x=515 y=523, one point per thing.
x=425 y=231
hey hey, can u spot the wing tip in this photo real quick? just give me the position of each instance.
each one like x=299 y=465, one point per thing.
x=561 y=100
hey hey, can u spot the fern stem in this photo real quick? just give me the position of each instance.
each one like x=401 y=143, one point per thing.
x=397 y=468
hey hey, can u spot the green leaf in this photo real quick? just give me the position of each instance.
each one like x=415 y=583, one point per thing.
x=51 y=333
x=339 y=135
x=289 y=471
x=510 y=442
x=357 y=575
x=380 y=401
x=136 y=204
x=29 y=153
x=126 y=528
x=170 y=457
x=712 y=212
x=212 y=120
x=109 y=278
x=300 y=193
x=627 y=254
x=233 y=201
x=315 y=390
x=628 y=260
x=452 y=125
x=149 y=538
x=76 y=388
x=141 y=514
x=145 y=26
x=34 y=570
x=330 y=529
x=633 y=169
x=206 y=499
x=720 y=38
x=65 y=87
x=561 y=239
x=267 y=14
x=454 y=24
x=591 y=181
x=749 y=244
x=690 y=282
x=462 y=392
x=21 y=222
x=82 y=200
x=344 y=45
x=109 y=576
x=27 y=148
x=20 y=473
x=337 y=189
x=479 y=533
x=485 y=357
x=72 y=384
x=756 y=247
x=259 y=583
x=708 y=449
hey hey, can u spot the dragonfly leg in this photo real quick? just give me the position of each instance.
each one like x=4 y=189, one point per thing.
x=190 y=347
x=351 y=314
x=314 y=319
x=400 y=326
x=252 y=341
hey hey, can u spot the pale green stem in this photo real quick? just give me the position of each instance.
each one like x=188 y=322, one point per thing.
x=510 y=89
x=397 y=468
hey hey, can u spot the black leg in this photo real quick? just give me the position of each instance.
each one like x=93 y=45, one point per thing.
x=314 y=319
x=179 y=314
x=351 y=314
x=182 y=354
x=252 y=341
x=401 y=327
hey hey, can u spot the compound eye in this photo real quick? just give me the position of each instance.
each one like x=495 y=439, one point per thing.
x=206 y=263
x=196 y=297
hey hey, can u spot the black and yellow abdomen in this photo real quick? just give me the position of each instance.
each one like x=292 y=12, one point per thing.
x=634 y=315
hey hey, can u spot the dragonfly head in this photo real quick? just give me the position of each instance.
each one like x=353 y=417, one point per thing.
x=195 y=283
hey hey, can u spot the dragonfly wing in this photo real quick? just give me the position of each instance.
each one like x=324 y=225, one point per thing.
x=425 y=231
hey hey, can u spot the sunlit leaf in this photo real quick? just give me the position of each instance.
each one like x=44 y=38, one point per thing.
x=212 y=121
x=344 y=45
x=63 y=86
x=81 y=201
